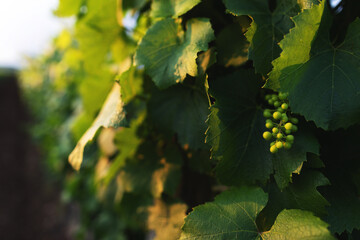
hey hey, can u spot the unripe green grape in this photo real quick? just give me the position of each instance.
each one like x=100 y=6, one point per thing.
x=274 y=98
x=271 y=102
x=284 y=106
x=279 y=136
x=277 y=104
x=290 y=138
x=272 y=144
x=267 y=135
x=287 y=145
x=276 y=115
x=287 y=131
x=279 y=145
x=282 y=96
x=285 y=119
x=273 y=149
x=269 y=125
x=288 y=126
x=275 y=130
x=267 y=97
x=269 y=121
x=267 y=113
x=294 y=120
x=280 y=110
x=294 y=128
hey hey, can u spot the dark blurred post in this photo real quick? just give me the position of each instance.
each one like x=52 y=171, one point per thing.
x=12 y=158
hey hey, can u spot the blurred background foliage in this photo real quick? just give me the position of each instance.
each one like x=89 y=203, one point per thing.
x=130 y=184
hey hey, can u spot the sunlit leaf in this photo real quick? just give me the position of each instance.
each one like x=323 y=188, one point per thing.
x=111 y=115
x=169 y=54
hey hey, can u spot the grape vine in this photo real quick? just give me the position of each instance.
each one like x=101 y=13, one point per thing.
x=165 y=119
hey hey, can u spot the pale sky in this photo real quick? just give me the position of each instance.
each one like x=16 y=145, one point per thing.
x=26 y=28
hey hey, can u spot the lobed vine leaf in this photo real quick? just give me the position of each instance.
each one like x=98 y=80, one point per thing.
x=235 y=127
x=111 y=115
x=267 y=29
x=298 y=224
x=169 y=54
x=233 y=216
x=321 y=79
x=301 y=194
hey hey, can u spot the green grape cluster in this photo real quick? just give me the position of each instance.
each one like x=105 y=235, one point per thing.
x=279 y=121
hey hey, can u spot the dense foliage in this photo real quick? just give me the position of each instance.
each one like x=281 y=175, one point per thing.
x=176 y=105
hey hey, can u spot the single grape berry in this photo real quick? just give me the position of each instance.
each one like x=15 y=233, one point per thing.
x=287 y=145
x=288 y=126
x=284 y=106
x=267 y=97
x=280 y=110
x=294 y=128
x=290 y=138
x=279 y=136
x=276 y=115
x=275 y=130
x=273 y=149
x=271 y=102
x=267 y=135
x=269 y=125
x=267 y=113
x=294 y=120
x=287 y=131
x=279 y=145
x=277 y=104
x=285 y=119
x=272 y=144
x=282 y=96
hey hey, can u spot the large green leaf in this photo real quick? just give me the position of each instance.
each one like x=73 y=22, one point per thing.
x=168 y=53
x=111 y=115
x=267 y=29
x=172 y=8
x=321 y=79
x=233 y=216
x=297 y=224
x=290 y=161
x=182 y=110
x=236 y=125
x=301 y=194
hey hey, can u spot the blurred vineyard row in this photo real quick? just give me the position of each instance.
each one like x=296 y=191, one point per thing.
x=65 y=89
